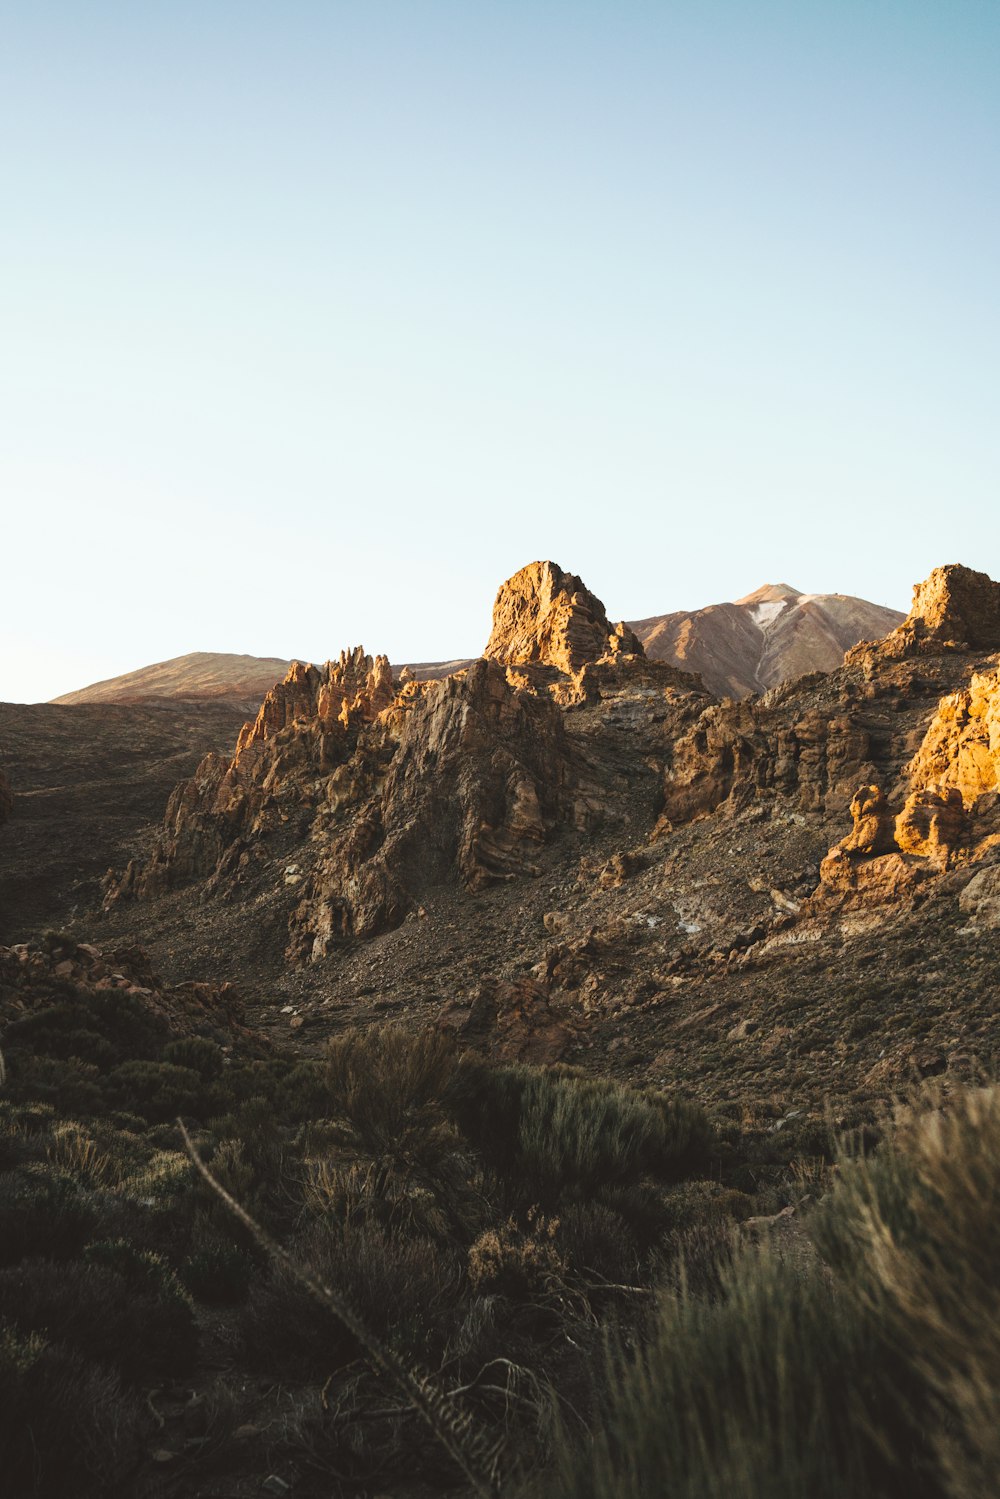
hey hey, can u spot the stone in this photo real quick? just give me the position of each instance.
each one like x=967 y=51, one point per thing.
x=981 y=897
x=961 y=747
x=933 y=824
x=873 y=831
x=517 y=1021
x=545 y=615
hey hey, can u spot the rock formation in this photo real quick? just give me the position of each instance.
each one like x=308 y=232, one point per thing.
x=6 y=798
x=353 y=794
x=352 y=689
x=466 y=778
x=547 y=616
x=953 y=609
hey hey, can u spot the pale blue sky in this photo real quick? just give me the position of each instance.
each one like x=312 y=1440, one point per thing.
x=317 y=320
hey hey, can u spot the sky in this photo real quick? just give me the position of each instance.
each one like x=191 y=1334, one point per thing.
x=318 y=320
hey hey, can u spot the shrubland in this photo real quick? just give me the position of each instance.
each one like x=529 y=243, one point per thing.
x=602 y=1280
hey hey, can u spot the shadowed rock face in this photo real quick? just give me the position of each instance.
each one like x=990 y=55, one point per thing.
x=389 y=791
x=6 y=798
x=547 y=616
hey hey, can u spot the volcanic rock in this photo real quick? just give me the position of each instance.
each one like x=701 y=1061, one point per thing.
x=961 y=748
x=873 y=831
x=476 y=775
x=954 y=609
x=933 y=824
x=981 y=897
x=545 y=615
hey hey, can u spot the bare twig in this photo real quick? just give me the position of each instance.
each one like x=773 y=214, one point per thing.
x=471 y=1450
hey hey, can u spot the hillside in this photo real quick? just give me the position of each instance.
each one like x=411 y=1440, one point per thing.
x=201 y=675
x=349 y=950
x=774 y=635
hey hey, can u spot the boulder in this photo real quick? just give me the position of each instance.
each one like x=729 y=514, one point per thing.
x=981 y=897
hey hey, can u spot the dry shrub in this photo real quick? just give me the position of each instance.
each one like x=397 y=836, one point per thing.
x=389 y=1083
x=558 y=1130
x=517 y=1262
x=66 y=1427
x=915 y=1234
x=403 y=1288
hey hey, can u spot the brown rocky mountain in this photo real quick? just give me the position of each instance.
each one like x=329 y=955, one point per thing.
x=773 y=635
x=200 y=676
x=569 y=815
x=781 y=910
x=581 y=834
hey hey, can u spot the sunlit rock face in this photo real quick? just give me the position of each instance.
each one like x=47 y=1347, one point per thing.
x=545 y=615
x=955 y=608
x=384 y=790
x=354 y=687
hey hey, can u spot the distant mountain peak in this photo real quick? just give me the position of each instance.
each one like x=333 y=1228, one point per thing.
x=771 y=593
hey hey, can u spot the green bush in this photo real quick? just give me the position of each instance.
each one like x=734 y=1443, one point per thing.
x=772 y=1392
x=558 y=1130
x=914 y=1235
x=196 y=1053
x=157 y=1091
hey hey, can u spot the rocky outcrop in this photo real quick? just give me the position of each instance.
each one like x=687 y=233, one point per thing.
x=381 y=794
x=6 y=798
x=980 y=899
x=953 y=609
x=809 y=755
x=545 y=615
x=353 y=689
x=63 y=972
x=961 y=748
x=950 y=791
x=874 y=827
x=933 y=824
x=475 y=775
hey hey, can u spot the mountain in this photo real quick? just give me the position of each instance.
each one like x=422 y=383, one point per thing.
x=773 y=635
x=201 y=675
x=349 y=952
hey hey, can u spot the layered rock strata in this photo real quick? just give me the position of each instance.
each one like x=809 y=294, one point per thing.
x=548 y=616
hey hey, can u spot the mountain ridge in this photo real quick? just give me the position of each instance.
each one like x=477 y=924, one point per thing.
x=772 y=634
